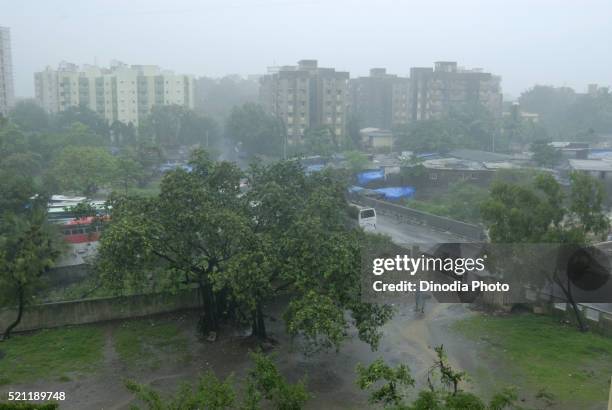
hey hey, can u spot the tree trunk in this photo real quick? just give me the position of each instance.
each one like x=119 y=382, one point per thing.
x=20 y=295
x=258 y=324
x=208 y=319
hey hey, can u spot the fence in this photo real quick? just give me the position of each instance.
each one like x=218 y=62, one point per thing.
x=464 y=229
x=84 y=311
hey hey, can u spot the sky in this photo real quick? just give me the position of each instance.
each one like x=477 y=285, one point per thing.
x=527 y=42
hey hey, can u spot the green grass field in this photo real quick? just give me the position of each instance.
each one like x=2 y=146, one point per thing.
x=540 y=354
x=50 y=354
x=143 y=342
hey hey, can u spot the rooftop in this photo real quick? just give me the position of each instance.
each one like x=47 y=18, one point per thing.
x=477 y=155
x=591 y=165
x=454 y=164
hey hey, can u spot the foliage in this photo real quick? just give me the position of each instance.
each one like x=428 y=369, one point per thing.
x=141 y=343
x=28 y=247
x=264 y=385
x=84 y=169
x=567 y=114
x=29 y=116
x=217 y=97
x=50 y=354
x=286 y=235
x=185 y=235
x=462 y=202
x=571 y=366
x=28 y=406
x=393 y=379
x=319 y=141
x=389 y=385
x=255 y=131
x=468 y=126
x=544 y=154
x=536 y=213
x=174 y=125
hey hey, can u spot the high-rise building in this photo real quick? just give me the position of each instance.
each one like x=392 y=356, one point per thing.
x=435 y=91
x=380 y=100
x=7 y=95
x=306 y=96
x=120 y=93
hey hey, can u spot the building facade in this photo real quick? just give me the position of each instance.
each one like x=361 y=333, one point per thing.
x=120 y=93
x=306 y=96
x=7 y=95
x=380 y=100
x=435 y=91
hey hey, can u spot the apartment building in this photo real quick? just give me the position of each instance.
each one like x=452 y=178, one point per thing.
x=7 y=95
x=120 y=93
x=306 y=96
x=434 y=91
x=380 y=100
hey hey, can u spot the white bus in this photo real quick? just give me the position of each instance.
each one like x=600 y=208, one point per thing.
x=367 y=218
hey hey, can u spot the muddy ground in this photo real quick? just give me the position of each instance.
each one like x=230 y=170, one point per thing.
x=409 y=338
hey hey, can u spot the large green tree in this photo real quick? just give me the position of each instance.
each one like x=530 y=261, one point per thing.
x=540 y=213
x=255 y=131
x=84 y=169
x=28 y=247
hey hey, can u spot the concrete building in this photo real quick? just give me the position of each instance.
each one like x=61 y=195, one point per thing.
x=376 y=139
x=435 y=91
x=120 y=93
x=380 y=100
x=306 y=96
x=7 y=94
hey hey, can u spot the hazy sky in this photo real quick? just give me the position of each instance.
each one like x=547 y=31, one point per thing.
x=525 y=41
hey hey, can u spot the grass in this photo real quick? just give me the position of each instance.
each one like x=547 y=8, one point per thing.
x=539 y=354
x=50 y=354
x=144 y=342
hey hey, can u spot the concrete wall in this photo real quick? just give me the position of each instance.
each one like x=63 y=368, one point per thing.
x=79 y=312
x=466 y=230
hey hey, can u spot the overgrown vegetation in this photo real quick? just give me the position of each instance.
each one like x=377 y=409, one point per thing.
x=141 y=343
x=51 y=354
x=264 y=387
x=545 y=357
x=390 y=387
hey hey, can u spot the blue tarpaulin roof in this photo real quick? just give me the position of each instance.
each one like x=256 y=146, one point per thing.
x=371 y=175
x=396 y=192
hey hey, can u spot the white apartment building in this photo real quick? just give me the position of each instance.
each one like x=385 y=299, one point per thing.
x=7 y=95
x=119 y=93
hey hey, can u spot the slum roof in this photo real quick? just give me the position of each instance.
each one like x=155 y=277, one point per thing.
x=591 y=165
x=478 y=155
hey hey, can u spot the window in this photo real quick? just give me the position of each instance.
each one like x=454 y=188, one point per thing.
x=433 y=176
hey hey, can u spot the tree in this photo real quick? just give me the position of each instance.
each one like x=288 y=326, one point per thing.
x=301 y=247
x=544 y=154
x=217 y=97
x=29 y=116
x=357 y=161
x=540 y=213
x=389 y=387
x=174 y=125
x=84 y=169
x=183 y=236
x=265 y=386
x=432 y=135
x=320 y=141
x=28 y=247
x=287 y=235
x=256 y=131
x=83 y=115
x=129 y=171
